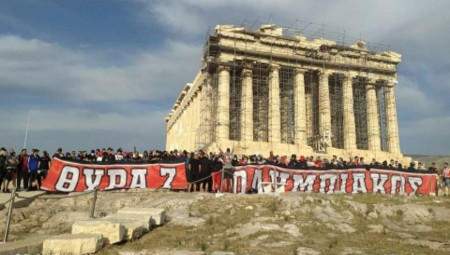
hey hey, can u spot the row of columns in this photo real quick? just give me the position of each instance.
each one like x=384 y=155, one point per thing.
x=374 y=143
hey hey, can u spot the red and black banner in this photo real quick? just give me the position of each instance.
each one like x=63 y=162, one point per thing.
x=68 y=176
x=353 y=180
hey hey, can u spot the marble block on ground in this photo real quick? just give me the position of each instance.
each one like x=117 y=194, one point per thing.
x=134 y=227
x=73 y=244
x=111 y=232
x=158 y=215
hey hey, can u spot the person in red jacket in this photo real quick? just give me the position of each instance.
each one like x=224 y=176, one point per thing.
x=22 y=170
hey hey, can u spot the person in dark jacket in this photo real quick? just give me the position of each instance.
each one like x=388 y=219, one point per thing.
x=194 y=171
x=110 y=157
x=11 y=170
x=205 y=173
x=44 y=166
x=293 y=163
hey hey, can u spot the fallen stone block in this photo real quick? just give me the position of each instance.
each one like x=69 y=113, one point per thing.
x=73 y=244
x=134 y=228
x=111 y=232
x=27 y=246
x=146 y=220
x=158 y=215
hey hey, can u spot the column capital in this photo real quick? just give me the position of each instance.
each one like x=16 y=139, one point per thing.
x=391 y=83
x=351 y=74
x=223 y=68
x=274 y=67
x=370 y=86
x=325 y=72
x=300 y=70
x=246 y=72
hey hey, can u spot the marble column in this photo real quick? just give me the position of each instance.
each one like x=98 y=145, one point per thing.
x=300 y=106
x=223 y=104
x=373 y=123
x=324 y=104
x=391 y=119
x=349 y=113
x=309 y=111
x=208 y=105
x=247 y=106
x=274 y=105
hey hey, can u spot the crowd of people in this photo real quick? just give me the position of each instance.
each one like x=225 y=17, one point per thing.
x=23 y=171
x=26 y=171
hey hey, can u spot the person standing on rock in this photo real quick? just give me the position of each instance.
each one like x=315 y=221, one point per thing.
x=33 y=166
x=446 y=180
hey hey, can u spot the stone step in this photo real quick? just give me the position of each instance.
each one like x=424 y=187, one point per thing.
x=145 y=220
x=27 y=246
x=158 y=215
x=134 y=227
x=111 y=232
x=73 y=244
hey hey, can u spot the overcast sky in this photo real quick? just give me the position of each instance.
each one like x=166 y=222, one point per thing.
x=99 y=73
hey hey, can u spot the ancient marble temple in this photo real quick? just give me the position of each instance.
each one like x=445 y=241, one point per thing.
x=262 y=90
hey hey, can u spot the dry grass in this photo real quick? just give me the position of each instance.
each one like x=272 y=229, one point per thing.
x=227 y=214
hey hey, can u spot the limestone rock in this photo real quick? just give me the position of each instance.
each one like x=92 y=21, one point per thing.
x=292 y=230
x=134 y=228
x=306 y=251
x=351 y=251
x=430 y=244
x=188 y=222
x=145 y=221
x=158 y=215
x=178 y=252
x=341 y=227
x=277 y=244
x=223 y=253
x=249 y=228
x=73 y=244
x=112 y=232
x=358 y=207
x=27 y=246
x=376 y=229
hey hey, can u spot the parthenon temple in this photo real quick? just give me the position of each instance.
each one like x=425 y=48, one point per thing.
x=269 y=89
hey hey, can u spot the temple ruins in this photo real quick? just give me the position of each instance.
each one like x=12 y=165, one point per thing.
x=275 y=89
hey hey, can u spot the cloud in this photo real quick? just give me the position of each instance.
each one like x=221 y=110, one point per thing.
x=428 y=136
x=86 y=101
x=411 y=98
x=33 y=66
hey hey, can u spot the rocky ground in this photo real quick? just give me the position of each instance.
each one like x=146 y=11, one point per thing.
x=292 y=223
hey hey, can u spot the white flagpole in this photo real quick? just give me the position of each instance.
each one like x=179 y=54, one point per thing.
x=26 y=131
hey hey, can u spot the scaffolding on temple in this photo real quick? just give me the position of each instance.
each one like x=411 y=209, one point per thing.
x=242 y=55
